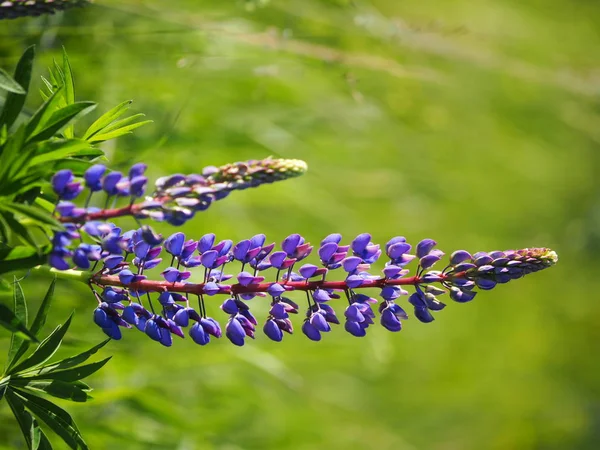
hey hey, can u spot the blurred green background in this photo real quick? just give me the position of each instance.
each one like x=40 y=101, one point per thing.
x=474 y=123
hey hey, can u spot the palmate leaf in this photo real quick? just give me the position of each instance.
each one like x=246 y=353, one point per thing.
x=60 y=119
x=45 y=350
x=57 y=419
x=36 y=326
x=12 y=323
x=20 y=311
x=65 y=363
x=55 y=388
x=33 y=434
x=25 y=382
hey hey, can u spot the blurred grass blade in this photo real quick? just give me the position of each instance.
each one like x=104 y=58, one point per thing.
x=14 y=102
x=45 y=350
x=20 y=311
x=9 y=84
x=57 y=419
x=38 y=322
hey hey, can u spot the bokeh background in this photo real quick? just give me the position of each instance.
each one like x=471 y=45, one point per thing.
x=476 y=123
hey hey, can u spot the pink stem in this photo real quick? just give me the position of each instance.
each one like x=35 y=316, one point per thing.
x=192 y=288
x=104 y=214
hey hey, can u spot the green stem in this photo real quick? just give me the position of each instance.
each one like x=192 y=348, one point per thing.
x=71 y=274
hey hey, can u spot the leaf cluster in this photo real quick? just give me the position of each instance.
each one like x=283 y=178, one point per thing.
x=33 y=147
x=28 y=380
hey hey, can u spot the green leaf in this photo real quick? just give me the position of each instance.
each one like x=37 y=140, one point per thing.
x=18 y=229
x=20 y=310
x=77 y=373
x=107 y=118
x=22 y=257
x=45 y=350
x=118 y=132
x=33 y=212
x=9 y=84
x=61 y=118
x=38 y=323
x=12 y=323
x=44 y=113
x=14 y=102
x=67 y=362
x=57 y=419
x=33 y=434
x=55 y=388
x=10 y=153
x=57 y=150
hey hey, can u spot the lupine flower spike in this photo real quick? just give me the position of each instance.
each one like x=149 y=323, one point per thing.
x=197 y=270
x=187 y=272
x=175 y=199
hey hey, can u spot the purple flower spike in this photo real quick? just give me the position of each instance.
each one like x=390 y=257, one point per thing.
x=311 y=331
x=272 y=330
x=93 y=176
x=211 y=288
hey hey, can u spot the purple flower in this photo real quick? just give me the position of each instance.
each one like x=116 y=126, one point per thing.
x=93 y=177
x=273 y=330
